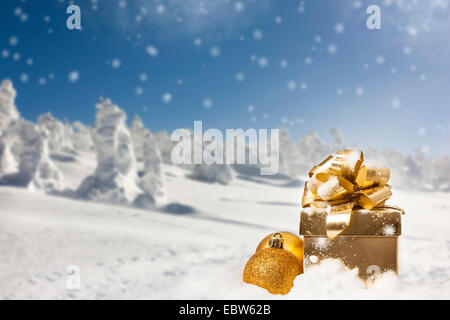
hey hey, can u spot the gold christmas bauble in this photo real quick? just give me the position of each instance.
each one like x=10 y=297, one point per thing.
x=292 y=243
x=273 y=268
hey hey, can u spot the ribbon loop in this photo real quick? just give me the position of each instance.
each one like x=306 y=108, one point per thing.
x=341 y=183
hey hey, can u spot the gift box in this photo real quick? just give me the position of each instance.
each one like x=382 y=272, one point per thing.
x=345 y=215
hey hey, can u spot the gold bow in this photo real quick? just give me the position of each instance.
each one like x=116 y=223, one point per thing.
x=342 y=183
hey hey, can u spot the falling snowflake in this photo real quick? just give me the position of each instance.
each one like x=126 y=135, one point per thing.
x=389 y=230
x=5 y=53
x=139 y=91
x=357 y=4
x=207 y=103
x=143 y=77
x=13 y=41
x=74 y=76
x=47 y=19
x=198 y=41
x=283 y=63
x=257 y=34
x=265 y=116
x=339 y=28
x=321 y=243
x=332 y=48
x=24 y=77
x=422 y=131
x=284 y=120
x=167 y=98
x=180 y=81
x=407 y=50
x=239 y=6
x=240 y=77
x=122 y=4
x=16 y=56
x=423 y=77
x=380 y=59
x=308 y=60
x=318 y=39
x=263 y=62
x=18 y=11
x=116 y=63
x=366 y=66
x=359 y=91
x=42 y=81
x=250 y=108
x=301 y=7
x=394 y=70
x=303 y=86
x=152 y=51
x=278 y=19
x=253 y=119
x=291 y=85
x=29 y=61
x=413 y=68
x=214 y=51
x=160 y=9
x=395 y=103
x=340 y=92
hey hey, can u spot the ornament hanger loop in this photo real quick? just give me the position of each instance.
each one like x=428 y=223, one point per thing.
x=276 y=241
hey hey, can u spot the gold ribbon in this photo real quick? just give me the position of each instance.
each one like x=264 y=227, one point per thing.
x=342 y=183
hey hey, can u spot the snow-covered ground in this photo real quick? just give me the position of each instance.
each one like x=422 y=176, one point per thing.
x=127 y=253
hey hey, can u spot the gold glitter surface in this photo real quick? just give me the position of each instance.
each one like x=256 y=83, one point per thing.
x=272 y=269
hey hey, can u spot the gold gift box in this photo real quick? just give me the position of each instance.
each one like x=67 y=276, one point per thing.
x=370 y=242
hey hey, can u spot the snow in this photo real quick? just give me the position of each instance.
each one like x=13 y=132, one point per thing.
x=145 y=254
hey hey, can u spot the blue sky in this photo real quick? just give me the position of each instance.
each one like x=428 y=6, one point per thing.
x=305 y=65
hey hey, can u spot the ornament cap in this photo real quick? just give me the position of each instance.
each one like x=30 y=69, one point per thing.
x=276 y=241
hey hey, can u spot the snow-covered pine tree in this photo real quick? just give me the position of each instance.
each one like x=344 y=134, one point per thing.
x=114 y=179
x=8 y=110
x=59 y=133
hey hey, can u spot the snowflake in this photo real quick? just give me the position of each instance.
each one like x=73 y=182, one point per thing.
x=413 y=68
x=42 y=81
x=394 y=70
x=160 y=9
x=263 y=62
x=284 y=120
x=407 y=50
x=214 y=51
x=29 y=61
x=340 y=92
x=198 y=41
x=291 y=85
x=16 y=56
x=423 y=77
x=318 y=39
x=250 y=108
x=167 y=98
x=47 y=19
x=180 y=81
x=332 y=48
x=239 y=6
x=257 y=34
x=253 y=119
x=152 y=51
x=303 y=86
x=366 y=66
x=143 y=77
x=5 y=53
x=422 y=131
x=74 y=76
x=395 y=103
x=278 y=19
x=207 y=103
x=265 y=116
x=18 y=11
x=357 y=4
x=240 y=77
x=308 y=60
x=380 y=59
x=139 y=91
x=322 y=243
x=389 y=230
x=299 y=120
x=122 y=4
x=13 y=41
x=24 y=77
x=283 y=63
x=116 y=63
x=339 y=28
x=359 y=91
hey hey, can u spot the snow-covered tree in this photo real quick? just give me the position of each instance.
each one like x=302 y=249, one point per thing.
x=59 y=133
x=165 y=146
x=81 y=137
x=138 y=135
x=221 y=173
x=8 y=110
x=114 y=179
x=8 y=164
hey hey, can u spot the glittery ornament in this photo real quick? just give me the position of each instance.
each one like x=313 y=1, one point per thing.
x=291 y=243
x=273 y=268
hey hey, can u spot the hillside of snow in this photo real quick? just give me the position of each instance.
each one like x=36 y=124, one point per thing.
x=106 y=200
